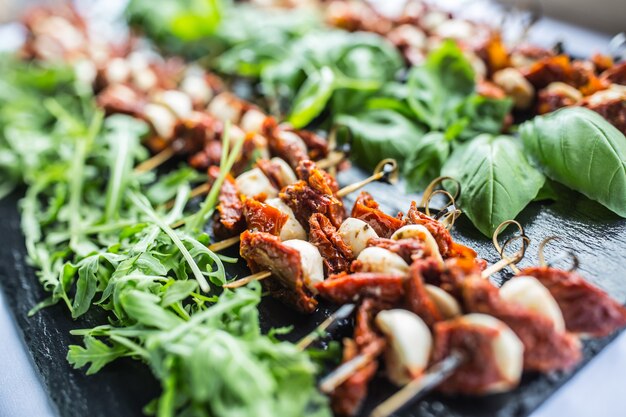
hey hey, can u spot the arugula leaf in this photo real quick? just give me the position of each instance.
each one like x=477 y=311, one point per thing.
x=580 y=149
x=95 y=353
x=379 y=134
x=497 y=181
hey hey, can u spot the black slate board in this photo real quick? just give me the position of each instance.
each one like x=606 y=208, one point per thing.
x=121 y=389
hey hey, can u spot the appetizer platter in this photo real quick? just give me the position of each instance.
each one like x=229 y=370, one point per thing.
x=210 y=221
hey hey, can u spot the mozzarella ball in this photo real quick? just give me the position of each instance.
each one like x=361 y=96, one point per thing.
x=516 y=86
x=179 y=103
x=287 y=176
x=311 y=261
x=196 y=87
x=162 y=120
x=292 y=228
x=291 y=137
x=225 y=107
x=356 y=233
x=507 y=348
x=410 y=344
x=254 y=182
x=145 y=79
x=530 y=293
x=455 y=29
x=85 y=71
x=117 y=71
x=445 y=303
x=564 y=90
x=143 y=76
x=615 y=92
x=417 y=231
x=433 y=19
x=375 y=259
x=252 y=120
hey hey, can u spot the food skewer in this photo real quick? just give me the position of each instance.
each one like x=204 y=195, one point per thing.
x=342 y=373
x=520 y=300
x=342 y=312
x=599 y=302
x=418 y=387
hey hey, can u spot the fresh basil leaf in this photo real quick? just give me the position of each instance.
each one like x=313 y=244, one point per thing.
x=439 y=88
x=580 y=149
x=380 y=134
x=497 y=181
x=484 y=115
x=312 y=97
x=425 y=163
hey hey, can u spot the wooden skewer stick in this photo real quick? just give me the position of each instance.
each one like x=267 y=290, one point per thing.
x=333 y=159
x=430 y=191
x=243 y=281
x=223 y=244
x=344 y=371
x=343 y=312
x=386 y=170
x=155 y=161
x=566 y=254
x=520 y=253
x=415 y=389
x=201 y=189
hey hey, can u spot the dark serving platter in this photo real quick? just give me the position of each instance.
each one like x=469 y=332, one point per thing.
x=123 y=388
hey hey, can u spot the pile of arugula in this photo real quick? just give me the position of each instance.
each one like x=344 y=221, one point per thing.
x=96 y=241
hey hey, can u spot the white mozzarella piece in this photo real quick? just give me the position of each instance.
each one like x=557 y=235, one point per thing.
x=292 y=228
x=455 y=29
x=507 y=348
x=530 y=293
x=254 y=182
x=287 y=176
x=311 y=261
x=410 y=344
x=261 y=150
x=161 y=118
x=445 y=303
x=234 y=135
x=356 y=233
x=432 y=20
x=375 y=259
x=178 y=102
x=145 y=79
x=615 y=92
x=224 y=107
x=138 y=60
x=417 y=231
x=516 y=86
x=290 y=137
x=196 y=87
x=61 y=30
x=564 y=89
x=85 y=71
x=117 y=71
x=252 y=120
x=478 y=65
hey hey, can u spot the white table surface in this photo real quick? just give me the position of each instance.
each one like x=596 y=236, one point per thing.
x=598 y=390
